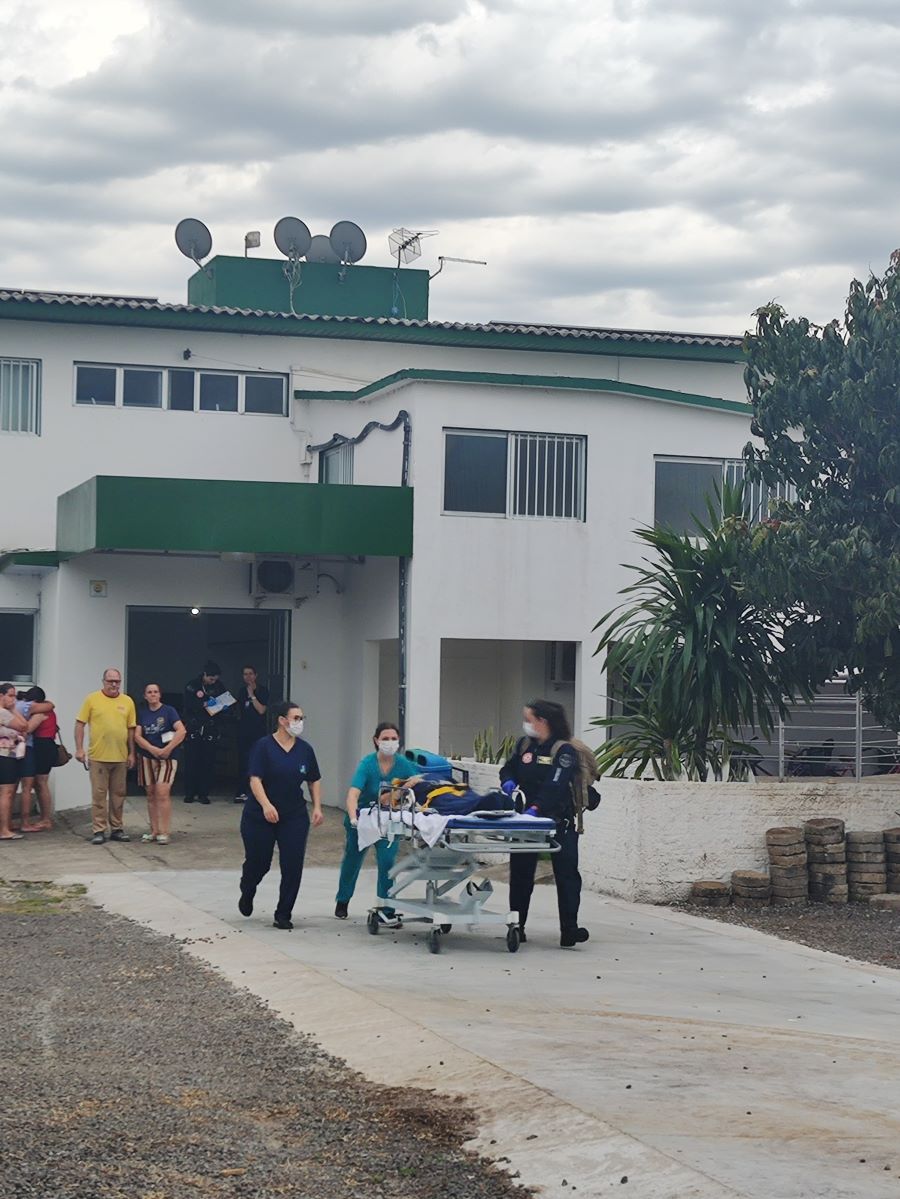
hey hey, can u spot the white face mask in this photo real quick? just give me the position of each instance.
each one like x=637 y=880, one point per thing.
x=295 y=728
x=528 y=728
x=388 y=747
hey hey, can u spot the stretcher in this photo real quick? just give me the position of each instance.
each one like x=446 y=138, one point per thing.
x=446 y=853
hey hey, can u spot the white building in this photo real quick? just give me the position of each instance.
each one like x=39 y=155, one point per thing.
x=155 y=455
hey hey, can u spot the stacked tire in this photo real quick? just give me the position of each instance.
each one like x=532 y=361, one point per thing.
x=788 y=865
x=711 y=894
x=750 y=889
x=826 y=853
x=892 y=859
x=866 y=865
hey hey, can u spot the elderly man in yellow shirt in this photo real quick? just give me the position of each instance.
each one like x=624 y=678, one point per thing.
x=111 y=719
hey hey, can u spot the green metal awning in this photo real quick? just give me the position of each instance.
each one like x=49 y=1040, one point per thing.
x=31 y=561
x=203 y=516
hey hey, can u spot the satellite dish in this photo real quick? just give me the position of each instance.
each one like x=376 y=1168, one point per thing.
x=193 y=239
x=348 y=241
x=292 y=237
x=320 y=250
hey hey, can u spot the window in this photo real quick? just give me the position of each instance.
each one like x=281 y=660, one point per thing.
x=20 y=395
x=17 y=640
x=684 y=485
x=336 y=465
x=515 y=474
x=179 y=389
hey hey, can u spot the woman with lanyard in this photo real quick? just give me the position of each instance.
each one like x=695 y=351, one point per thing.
x=544 y=766
x=279 y=765
x=372 y=777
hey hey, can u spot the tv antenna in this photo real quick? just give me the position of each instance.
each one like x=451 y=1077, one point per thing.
x=406 y=244
x=194 y=240
x=293 y=239
x=442 y=258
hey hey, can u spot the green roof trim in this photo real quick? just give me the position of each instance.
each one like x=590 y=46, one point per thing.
x=31 y=560
x=551 y=382
x=556 y=339
x=216 y=516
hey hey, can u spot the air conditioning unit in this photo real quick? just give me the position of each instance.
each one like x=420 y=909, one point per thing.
x=281 y=578
x=561 y=661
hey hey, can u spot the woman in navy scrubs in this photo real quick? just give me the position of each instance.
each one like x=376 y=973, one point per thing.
x=276 y=811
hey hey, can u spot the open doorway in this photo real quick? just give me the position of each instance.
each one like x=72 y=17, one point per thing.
x=169 y=646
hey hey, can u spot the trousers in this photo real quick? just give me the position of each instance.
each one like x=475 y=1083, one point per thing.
x=260 y=839
x=199 y=766
x=565 y=873
x=108 y=783
x=351 y=864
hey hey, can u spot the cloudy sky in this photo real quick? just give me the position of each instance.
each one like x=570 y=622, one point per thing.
x=649 y=163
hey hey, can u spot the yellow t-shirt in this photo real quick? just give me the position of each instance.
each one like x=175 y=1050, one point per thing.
x=109 y=718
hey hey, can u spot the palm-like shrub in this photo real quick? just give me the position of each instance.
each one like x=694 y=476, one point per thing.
x=700 y=655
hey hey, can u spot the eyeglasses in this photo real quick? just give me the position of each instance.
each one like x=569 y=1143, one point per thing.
x=112 y=682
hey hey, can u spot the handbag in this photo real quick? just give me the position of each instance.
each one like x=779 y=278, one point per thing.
x=62 y=754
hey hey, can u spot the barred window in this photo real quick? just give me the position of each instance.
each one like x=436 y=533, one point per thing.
x=336 y=465
x=493 y=473
x=684 y=487
x=20 y=395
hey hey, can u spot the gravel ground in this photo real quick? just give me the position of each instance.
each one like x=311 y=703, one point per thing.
x=854 y=930
x=133 y=1072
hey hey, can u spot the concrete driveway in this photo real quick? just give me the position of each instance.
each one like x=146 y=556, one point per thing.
x=694 y=1059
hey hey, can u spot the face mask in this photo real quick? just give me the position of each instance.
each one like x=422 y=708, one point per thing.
x=295 y=728
x=388 y=747
x=528 y=728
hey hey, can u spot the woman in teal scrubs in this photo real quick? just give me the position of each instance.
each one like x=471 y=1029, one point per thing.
x=368 y=782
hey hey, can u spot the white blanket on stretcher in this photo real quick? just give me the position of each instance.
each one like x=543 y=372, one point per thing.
x=375 y=823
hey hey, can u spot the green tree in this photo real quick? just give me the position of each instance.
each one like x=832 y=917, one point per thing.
x=700 y=656
x=826 y=403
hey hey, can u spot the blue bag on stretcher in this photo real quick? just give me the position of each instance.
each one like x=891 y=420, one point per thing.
x=431 y=766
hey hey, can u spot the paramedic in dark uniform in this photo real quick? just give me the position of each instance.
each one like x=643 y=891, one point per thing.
x=203 y=733
x=251 y=703
x=275 y=811
x=546 y=779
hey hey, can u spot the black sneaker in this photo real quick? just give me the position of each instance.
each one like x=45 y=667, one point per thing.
x=522 y=937
x=340 y=910
x=571 y=937
x=279 y=923
x=245 y=905
x=239 y=799
x=98 y=839
x=203 y=799
x=119 y=834
x=188 y=799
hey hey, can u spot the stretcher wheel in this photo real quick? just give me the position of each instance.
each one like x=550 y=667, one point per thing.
x=512 y=939
x=445 y=928
x=434 y=941
x=373 y=923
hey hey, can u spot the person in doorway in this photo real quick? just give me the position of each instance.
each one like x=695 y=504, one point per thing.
x=252 y=704
x=158 y=734
x=374 y=775
x=110 y=718
x=544 y=766
x=275 y=811
x=12 y=749
x=203 y=730
x=44 y=731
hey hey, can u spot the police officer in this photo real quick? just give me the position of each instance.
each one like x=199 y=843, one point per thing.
x=275 y=811
x=203 y=732
x=544 y=766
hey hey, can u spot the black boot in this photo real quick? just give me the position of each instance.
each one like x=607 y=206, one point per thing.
x=522 y=937
x=569 y=937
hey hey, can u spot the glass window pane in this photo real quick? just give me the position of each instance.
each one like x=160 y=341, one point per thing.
x=265 y=394
x=475 y=473
x=17 y=639
x=95 y=385
x=218 y=393
x=142 y=389
x=682 y=489
x=181 y=391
